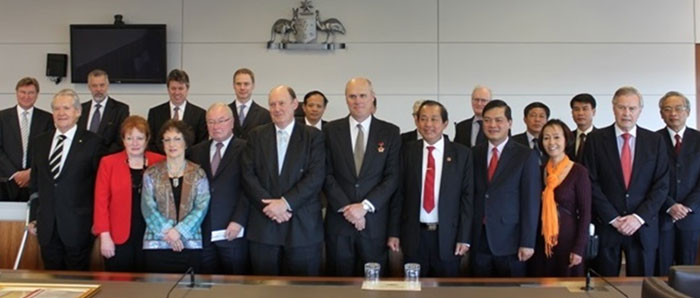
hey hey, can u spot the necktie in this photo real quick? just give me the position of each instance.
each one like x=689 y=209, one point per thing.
x=281 y=149
x=241 y=114
x=493 y=163
x=429 y=186
x=359 y=153
x=626 y=159
x=581 y=142
x=678 y=144
x=176 y=115
x=24 y=131
x=217 y=158
x=96 y=118
x=55 y=158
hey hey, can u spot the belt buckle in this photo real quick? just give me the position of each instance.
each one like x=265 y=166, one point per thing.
x=431 y=226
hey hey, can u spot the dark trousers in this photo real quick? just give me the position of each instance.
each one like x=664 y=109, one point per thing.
x=485 y=264
x=428 y=256
x=169 y=261
x=58 y=256
x=128 y=256
x=347 y=255
x=226 y=257
x=676 y=247
x=9 y=191
x=640 y=262
x=266 y=259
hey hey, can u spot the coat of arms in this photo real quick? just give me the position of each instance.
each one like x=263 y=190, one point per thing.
x=303 y=26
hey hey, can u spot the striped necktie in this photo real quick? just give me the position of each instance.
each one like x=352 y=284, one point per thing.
x=55 y=158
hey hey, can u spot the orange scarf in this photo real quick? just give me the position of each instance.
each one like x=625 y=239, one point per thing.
x=550 y=219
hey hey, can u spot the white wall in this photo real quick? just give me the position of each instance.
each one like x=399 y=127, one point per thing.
x=546 y=50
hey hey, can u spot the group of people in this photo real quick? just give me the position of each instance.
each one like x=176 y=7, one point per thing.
x=239 y=189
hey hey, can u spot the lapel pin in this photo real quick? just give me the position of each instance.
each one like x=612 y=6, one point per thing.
x=449 y=159
x=380 y=147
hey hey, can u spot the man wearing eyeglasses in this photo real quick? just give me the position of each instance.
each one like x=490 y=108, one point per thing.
x=679 y=222
x=470 y=132
x=225 y=250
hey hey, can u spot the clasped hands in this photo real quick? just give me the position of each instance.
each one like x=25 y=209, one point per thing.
x=355 y=214
x=627 y=225
x=276 y=210
x=678 y=211
x=172 y=237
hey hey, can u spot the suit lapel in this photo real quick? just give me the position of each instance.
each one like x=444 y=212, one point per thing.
x=503 y=160
x=14 y=126
x=345 y=143
x=75 y=149
x=188 y=113
x=447 y=157
x=107 y=115
x=206 y=164
x=226 y=159
x=372 y=140
x=252 y=113
x=610 y=145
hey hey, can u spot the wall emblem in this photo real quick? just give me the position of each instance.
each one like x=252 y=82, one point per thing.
x=304 y=27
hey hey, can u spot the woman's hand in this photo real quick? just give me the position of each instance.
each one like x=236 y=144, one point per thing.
x=106 y=245
x=574 y=259
x=172 y=236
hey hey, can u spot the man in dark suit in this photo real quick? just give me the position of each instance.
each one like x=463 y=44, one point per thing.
x=412 y=135
x=178 y=108
x=470 y=132
x=63 y=173
x=628 y=166
x=103 y=115
x=314 y=106
x=679 y=223
x=363 y=173
x=582 y=111
x=536 y=115
x=435 y=197
x=283 y=172
x=225 y=250
x=18 y=126
x=246 y=112
x=507 y=188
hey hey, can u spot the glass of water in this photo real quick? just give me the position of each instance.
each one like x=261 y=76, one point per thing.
x=372 y=271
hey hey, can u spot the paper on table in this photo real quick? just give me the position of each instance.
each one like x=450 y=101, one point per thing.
x=391 y=286
x=219 y=235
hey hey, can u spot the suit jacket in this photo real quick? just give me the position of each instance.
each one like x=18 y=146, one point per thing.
x=377 y=182
x=256 y=116
x=510 y=203
x=66 y=202
x=228 y=201
x=299 y=183
x=113 y=115
x=455 y=204
x=113 y=195
x=522 y=139
x=571 y=149
x=648 y=187
x=463 y=133
x=409 y=137
x=684 y=173
x=194 y=116
x=11 y=142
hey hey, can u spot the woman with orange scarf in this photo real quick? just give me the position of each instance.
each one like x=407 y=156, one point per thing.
x=566 y=207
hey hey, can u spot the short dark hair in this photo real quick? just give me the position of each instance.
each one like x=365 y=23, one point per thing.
x=535 y=105
x=247 y=71
x=180 y=76
x=498 y=103
x=316 y=92
x=179 y=126
x=568 y=135
x=583 y=98
x=443 y=111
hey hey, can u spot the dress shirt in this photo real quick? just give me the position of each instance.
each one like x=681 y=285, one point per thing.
x=578 y=139
x=317 y=125
x=246 y=109
x=212 y=147
x=632 y=141
x=353 y=130
x=102 y=104
x=70 y=134
x=438 y=154
x=673 y=133
x=489 y=153
x=288 y=130
x=181 y=112
x=475 y=129
x=530 y=137
x=30 y=112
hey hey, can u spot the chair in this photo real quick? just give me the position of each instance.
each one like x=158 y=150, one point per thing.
x=654 y=287
x=685 y=279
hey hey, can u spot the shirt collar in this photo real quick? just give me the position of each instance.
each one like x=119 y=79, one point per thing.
x=439 y=145
x=672 y=132
x=587 y=131
x=500 y=146
x=182 y=106
x=530 y=137
x=365 y=124
x=287 y=129
x=69 y=134
x=317 y=125
x=247 y=103
x=225 y=142
x=103 y=103
x=20 y=110
x=619 y=131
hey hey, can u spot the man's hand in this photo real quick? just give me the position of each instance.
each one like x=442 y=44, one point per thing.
x=360 y=224
x=574 y=259
x=106 y=245
x=525 y=253
x=232 y=230
x=31 y=227
x=393 y=244
x=461 y=249
x=21 y=178
x=678 y=211
x=629 y=225
x=276 y=210
x=354 y=212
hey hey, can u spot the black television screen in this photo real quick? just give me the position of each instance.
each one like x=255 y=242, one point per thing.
x=128 y=53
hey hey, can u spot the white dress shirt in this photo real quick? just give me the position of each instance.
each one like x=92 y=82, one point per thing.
x=102 y=104
x=70 y=134
x=181 y=112
x=438 y=154
x=317 y=125
x=212 y=147
x=353 y=130
x=499 y=148
x=578 y=139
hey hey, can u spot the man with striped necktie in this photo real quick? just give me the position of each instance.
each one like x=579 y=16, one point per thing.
x=63 y=176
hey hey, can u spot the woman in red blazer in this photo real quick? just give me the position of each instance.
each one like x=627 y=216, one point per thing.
x=117 y=218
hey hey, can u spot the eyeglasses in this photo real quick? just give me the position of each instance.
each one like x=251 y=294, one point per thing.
x=677 y=109
x=219 y=121
x=176 y=140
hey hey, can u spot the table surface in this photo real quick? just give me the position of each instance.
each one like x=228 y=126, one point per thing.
x=158 y=285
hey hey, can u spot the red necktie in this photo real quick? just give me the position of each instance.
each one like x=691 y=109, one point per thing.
x=626 y=159
x=494 y=163
x=429 y=186
x=678 y=144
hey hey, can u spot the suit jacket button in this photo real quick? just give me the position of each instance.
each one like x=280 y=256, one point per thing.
x=678 y=181
x=627 y=195
x=486 y=196
x=357 y=185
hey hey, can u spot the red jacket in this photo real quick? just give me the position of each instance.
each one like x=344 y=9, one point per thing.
x=113 y=195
